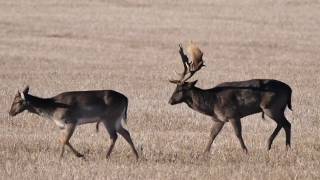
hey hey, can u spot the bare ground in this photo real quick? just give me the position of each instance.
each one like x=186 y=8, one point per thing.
x=131 y=46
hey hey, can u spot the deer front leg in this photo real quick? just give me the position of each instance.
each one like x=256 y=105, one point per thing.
x=65 y=137
x=216 y=128
x=236 y=124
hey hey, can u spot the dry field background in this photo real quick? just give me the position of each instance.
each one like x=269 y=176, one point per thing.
x=131 y=46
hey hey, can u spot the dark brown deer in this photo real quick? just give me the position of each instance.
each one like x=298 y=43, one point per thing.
x=70 y=109
x=231 y=101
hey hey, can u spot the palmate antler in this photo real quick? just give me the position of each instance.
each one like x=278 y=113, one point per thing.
x=189 y=67
x=196 y=56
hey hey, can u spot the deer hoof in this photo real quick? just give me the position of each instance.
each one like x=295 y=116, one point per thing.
x=79 y=155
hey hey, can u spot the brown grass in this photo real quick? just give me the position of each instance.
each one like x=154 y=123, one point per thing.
x=132 y=46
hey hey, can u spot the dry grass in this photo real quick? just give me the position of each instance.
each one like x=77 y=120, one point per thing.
x=131 y=46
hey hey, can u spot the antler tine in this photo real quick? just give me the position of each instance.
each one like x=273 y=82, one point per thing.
x=190 y=75
x=185 y=61
x=186 y=66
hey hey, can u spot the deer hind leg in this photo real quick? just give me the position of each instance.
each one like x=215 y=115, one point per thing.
x=216 y=128
x=236 y=124
x=273 y=135
x=282 y=122
x=65 y=137
x=126 y=135
x=287 y=128
x=113 y=136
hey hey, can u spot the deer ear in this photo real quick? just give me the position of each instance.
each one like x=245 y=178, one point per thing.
x=193 y=83
x=26 y=90
x=22 y=95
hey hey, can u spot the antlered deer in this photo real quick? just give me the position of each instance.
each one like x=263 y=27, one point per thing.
x=231 y=101
x=70 y=109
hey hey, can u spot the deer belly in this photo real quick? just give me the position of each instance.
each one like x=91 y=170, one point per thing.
x=248 y=105
x=85 y=120
x=246 y=111
x=89 y=114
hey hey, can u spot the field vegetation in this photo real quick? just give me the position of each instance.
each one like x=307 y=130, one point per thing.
x=132 y=46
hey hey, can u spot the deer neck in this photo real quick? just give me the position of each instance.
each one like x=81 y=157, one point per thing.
x=200 y=100
x=44 y=107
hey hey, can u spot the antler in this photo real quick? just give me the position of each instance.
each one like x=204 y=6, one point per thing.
x=189 y=67
x=196 y=54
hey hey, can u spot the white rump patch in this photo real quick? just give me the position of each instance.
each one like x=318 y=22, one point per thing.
x=118 y=123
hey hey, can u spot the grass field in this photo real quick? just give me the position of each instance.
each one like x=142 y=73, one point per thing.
x=132 y=46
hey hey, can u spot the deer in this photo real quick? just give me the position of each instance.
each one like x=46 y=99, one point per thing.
x=69 y=109
x=231 y=101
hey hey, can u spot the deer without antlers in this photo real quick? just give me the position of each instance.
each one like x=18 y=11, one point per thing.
x=70 y=109
x=231 y=101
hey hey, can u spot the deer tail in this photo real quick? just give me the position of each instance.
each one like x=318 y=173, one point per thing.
x=125 y=113
x=289 y=99
x=97 y=126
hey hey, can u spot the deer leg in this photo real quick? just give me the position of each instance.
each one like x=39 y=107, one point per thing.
x=74 y=150
x=126 y=135
x=282 y=122
x=113 y=136
x=273 y=135
x=287 y=128
x=236 y=124
x=65 y=137
x=62 y=151
x=216 y=128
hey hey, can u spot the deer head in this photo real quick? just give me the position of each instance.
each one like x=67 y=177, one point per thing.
x=19 y=102
x=183 y=87
x=182 y=92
